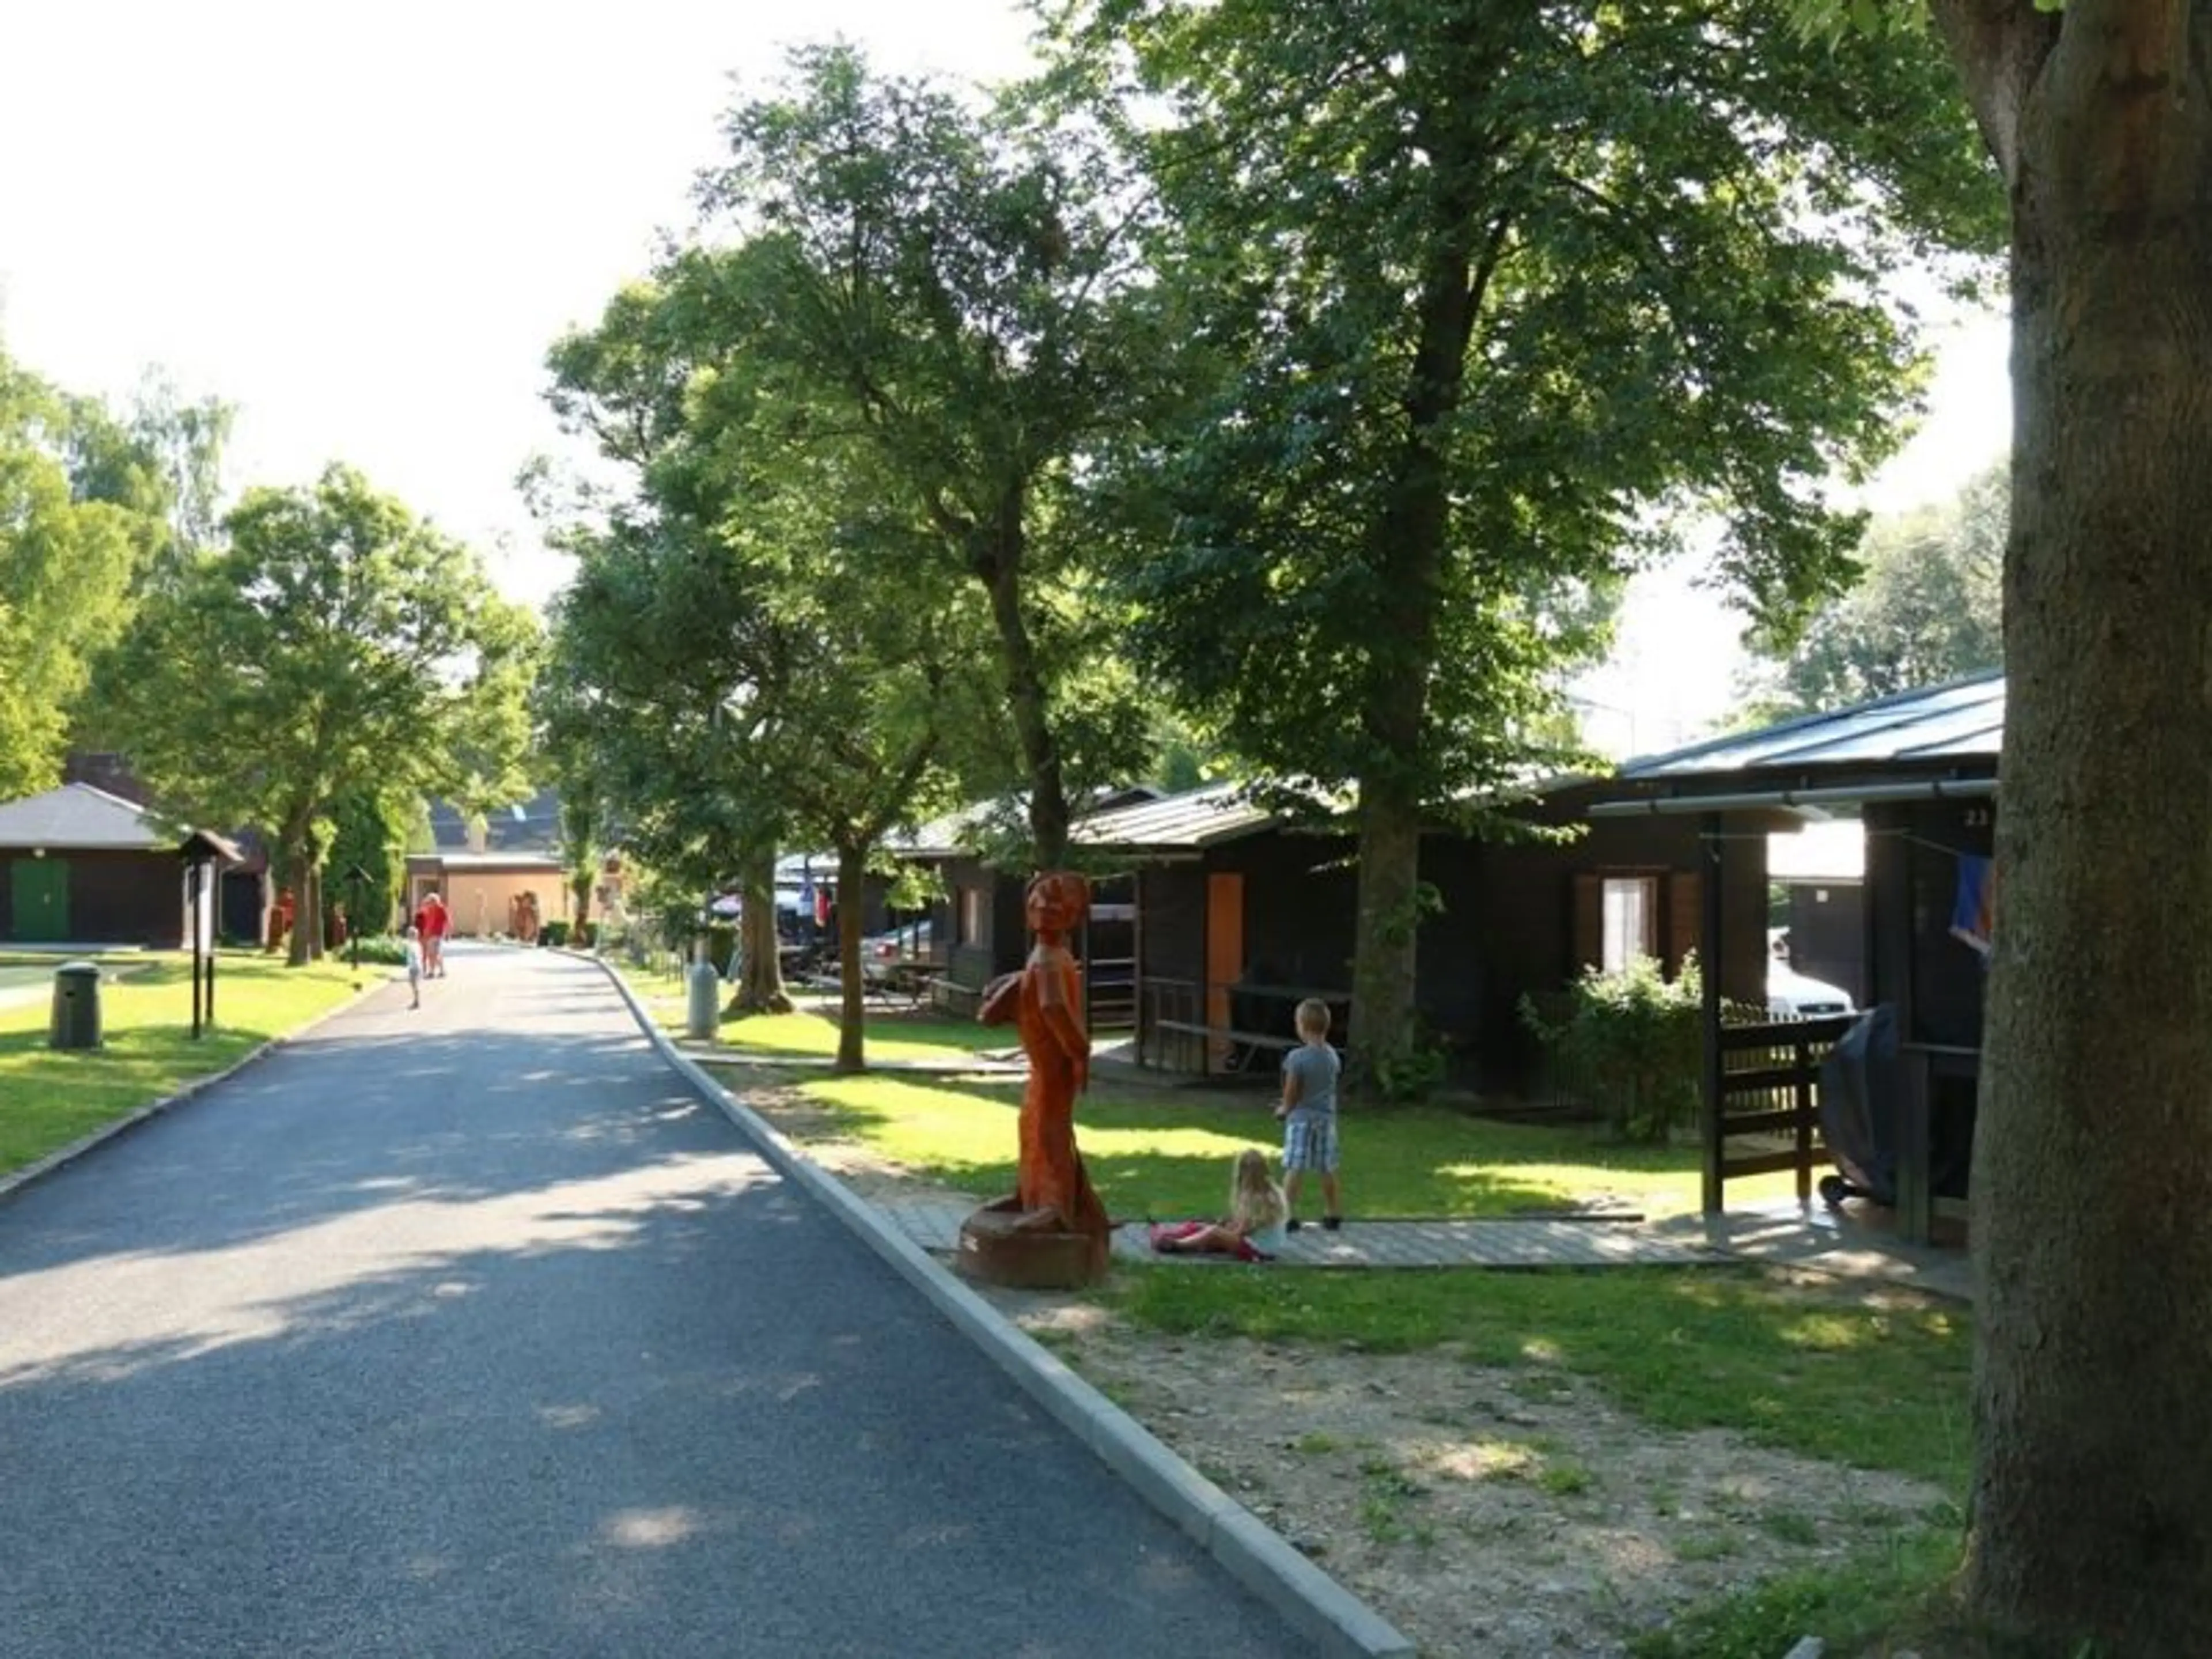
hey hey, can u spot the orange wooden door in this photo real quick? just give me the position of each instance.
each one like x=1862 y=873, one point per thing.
x=1225 y=955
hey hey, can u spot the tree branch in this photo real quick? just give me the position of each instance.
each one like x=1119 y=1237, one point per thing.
x=2000 y=47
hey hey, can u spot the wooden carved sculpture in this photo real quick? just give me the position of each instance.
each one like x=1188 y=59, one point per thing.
x=1053 y=1192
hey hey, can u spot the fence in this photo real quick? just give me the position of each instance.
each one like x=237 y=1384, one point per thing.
x=1762 y=1086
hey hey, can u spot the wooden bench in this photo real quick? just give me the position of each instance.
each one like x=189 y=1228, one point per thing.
x=1229 y=1035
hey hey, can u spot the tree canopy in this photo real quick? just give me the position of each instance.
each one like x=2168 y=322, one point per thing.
x=335 y=644
x=83 y=517
x=1927 y=607
x=1484 y=294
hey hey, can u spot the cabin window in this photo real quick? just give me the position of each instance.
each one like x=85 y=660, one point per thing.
x=1631 y=911
x=971 y=915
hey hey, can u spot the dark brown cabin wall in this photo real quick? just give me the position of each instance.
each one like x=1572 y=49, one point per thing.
x=1172 y=938
x=126 y=898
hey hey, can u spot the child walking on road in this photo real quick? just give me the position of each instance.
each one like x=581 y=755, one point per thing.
x=415 y=967
x=1308 y=1115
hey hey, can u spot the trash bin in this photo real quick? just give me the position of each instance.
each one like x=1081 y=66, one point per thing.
x=704 y=1011
x=77 y=1006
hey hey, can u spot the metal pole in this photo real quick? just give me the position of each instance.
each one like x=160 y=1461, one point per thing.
x=192 y=884
x=1711 y=961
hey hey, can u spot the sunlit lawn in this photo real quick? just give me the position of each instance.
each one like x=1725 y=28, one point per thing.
x=50 y=1098
x=889 y=1036
x=1877 y=1378
x=1166 y=1152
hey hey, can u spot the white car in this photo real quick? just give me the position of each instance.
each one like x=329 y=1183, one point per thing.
x=1791 y=995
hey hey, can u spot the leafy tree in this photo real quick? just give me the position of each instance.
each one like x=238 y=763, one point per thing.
x=1491 y=288
x=368 y=833
x=954 y=289
x=1928 y=608
x=335 y=644
x=2092 y=1159
x=829 y=650
x=68 y=561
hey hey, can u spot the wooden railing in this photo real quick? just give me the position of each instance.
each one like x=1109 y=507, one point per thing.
x=1186 y=1026
x=1109 y=992
x=1762 y=1111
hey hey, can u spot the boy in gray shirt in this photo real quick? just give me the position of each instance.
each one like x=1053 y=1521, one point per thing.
x=1308 y=1114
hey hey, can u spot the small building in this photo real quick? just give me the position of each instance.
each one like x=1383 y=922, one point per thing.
x=977 y=927
x=1918 y=771
x=1241 y=913
x=87 y=868
x=479 y=889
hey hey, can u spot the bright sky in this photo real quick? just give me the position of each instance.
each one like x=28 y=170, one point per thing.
x=364 y=225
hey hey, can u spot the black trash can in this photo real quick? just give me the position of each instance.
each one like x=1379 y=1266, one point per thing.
x=77 y=1006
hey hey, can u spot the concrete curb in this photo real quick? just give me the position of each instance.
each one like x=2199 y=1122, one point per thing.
x=15 y=1180
x=1253 y=1554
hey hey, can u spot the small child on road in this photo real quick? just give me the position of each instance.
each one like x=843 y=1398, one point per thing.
x=1308 y=1115
x=415 y=967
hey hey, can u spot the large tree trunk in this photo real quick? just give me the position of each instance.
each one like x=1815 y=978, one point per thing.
x=1408 y=552
x=1382 y=969
x=852 y=879
x=2091 y=1194
x=760 y=974
x=299 y=857
x=1000 y=568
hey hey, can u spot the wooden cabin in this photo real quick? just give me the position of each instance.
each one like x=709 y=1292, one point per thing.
x=1918 y=770
x=1242 y=913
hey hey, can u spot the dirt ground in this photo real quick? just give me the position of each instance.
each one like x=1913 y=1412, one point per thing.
x=1510 y=1513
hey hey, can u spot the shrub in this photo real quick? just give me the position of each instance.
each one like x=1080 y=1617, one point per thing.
x=554 y=934
x=374 y=947
x=582 y=934
x=1638 y=1037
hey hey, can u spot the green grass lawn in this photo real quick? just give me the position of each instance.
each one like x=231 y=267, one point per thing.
x=1871 y=1377
x=1876 y=1378
x=48 y=1099
x=889 y=1036
x=1166 y=1152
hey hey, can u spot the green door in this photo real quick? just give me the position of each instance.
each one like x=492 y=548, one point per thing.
x=40 y=891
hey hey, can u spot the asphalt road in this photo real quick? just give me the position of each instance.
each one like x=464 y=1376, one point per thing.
x=473 y=1330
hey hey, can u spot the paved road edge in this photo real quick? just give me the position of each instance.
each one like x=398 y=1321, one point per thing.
x=61 y=1157
x=1252 y=1553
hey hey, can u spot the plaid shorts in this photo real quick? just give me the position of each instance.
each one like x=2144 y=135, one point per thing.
x=1309 y=1141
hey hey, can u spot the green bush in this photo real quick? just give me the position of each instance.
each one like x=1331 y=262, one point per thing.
x=1638 y=1037
x=554 y=934
x=582 y=934
x=374 y=947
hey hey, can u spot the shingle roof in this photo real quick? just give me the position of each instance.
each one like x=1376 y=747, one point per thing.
x=1959 y=723
x=1198 y=817
x=77 y=817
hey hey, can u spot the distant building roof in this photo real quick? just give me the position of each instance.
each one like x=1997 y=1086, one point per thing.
x=533 y=825
x=77 y=817
x=460 y=862
x=1198 y=817
x=1960 y=723
x=954 y=834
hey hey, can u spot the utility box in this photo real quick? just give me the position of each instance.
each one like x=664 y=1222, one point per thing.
x=77 y=1006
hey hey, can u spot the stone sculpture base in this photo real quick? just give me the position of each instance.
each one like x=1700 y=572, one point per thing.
x=1002 y=1244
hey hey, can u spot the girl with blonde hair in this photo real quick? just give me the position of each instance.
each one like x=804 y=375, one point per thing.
x=1253 y=1228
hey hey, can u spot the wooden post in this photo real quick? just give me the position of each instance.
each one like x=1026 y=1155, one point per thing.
x=1803 y=1126
x=194 y=874
x=1710 y=954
